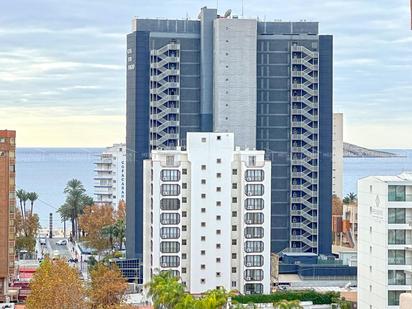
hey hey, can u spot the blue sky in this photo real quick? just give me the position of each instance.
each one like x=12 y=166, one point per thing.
x=62 y=64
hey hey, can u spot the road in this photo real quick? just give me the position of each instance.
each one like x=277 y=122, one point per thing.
x=63 y=250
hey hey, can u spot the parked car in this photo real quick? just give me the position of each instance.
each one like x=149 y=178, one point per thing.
x=62 y=242
x=42 y=241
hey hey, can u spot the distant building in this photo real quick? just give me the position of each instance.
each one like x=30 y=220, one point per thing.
x=385 y=240
x=337 y=159
x=7 y=208
x=268 y=82
x=207 y=215
x=110 y=176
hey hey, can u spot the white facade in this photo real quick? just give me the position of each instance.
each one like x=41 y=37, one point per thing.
x=384 y=240
x=337 y=159
x=207 y=215
x=234 y=78
x=110 y=176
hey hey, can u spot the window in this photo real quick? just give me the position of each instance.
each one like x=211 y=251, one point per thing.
x=218 y=175
x=396 y=215
x=234 y=185
x=202 y=281
x=203 y=139
x=202 y=266
x=169 y=232
x=184 y=171
x=169 y=247
x=169 y=204
x=253 y=275
x=254 y=218
x=2 y=140
x=253 y=260
x=184 y=256
x=396 y=237
x=234 y=172
x=170 y=189
x=234 y=199
x=184 y=214
x=396 y=257
x=202 y=252
x=169 y=261
x=218 y=274
x=218 y=260
x=234 y=242
x=203 y=210
x=218 y=137
x=397 y=277
x=169 y=218
x=218 y=246
x=184 y=228
x=184 y=270
x=396 y=194
x=218 y=160
x=170 y=175
x=254 y=175
x=253 y=288
x=203 y=224
x=254 y=190
x=234 y=256
x=203 y=195
x=218 y=218
x=218 y=203
x=254 y=204
x=233 y=284
x=254 y=232
x=218 y=189
x=203 y=238
x=252 y=161
x=254 y=246
x=184 y=199
x=234 y=214
x=203 y=181
x=393 y=297
x=184 y=185
x=184 y=242
x=234 y=228
x=170 y=160
x=203 y=167
x=218 y=232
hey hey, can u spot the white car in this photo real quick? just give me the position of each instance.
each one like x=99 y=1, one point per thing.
x=62 y=242
x=42 y=241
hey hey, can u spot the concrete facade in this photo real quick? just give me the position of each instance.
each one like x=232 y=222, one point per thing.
x=7 y=208
x=110 y=176
x=207 y=215
x=385 y=240
x=337 y=161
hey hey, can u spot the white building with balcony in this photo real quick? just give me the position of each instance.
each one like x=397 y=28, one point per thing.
x=207 y=215
x=110 y=176
x=384 y=240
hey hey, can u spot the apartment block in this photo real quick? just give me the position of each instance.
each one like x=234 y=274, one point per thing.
x=270 y=83
x=207 y=215
x=337 y=151
x=7 y=208
x=110 y=176
x=384 y=240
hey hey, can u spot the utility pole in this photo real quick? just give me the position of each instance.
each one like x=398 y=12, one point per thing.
x=51 y=225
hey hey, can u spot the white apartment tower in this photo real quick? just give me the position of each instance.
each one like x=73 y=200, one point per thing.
x=384 y=240
x=207 y=215
x=337 y=153
x=110 y=176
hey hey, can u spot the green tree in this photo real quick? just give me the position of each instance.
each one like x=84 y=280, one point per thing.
x=213 y=299
x=165 y=290
x=287 y=304
x=32 y=197
x=119 y=232
x=351 y=198
x=76 y=199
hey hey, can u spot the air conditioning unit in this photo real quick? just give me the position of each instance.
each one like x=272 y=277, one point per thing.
x=248 y=235
x=248 y=278
x=248 y=178
x=248 y=221
x=248 y=250
x=248 y=264
x=164 y=264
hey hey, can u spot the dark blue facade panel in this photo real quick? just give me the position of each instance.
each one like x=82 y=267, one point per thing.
x=325 y=142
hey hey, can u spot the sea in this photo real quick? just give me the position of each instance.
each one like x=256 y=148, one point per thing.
x=47 y=171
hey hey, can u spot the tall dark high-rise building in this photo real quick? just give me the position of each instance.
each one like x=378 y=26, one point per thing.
x=270 y=83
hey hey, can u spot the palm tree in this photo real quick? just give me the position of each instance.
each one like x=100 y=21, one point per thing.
x=287 y=304
x=351 y=198
x=165 y=290
x=119 y=232
x=108 y=232
x=32 y=196
x=21 y=195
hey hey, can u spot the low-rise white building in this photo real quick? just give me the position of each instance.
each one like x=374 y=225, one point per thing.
x=110 y=176
x=384 y=240
x=207 y=215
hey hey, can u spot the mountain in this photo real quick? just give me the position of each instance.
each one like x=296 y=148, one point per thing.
x=354 y=151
